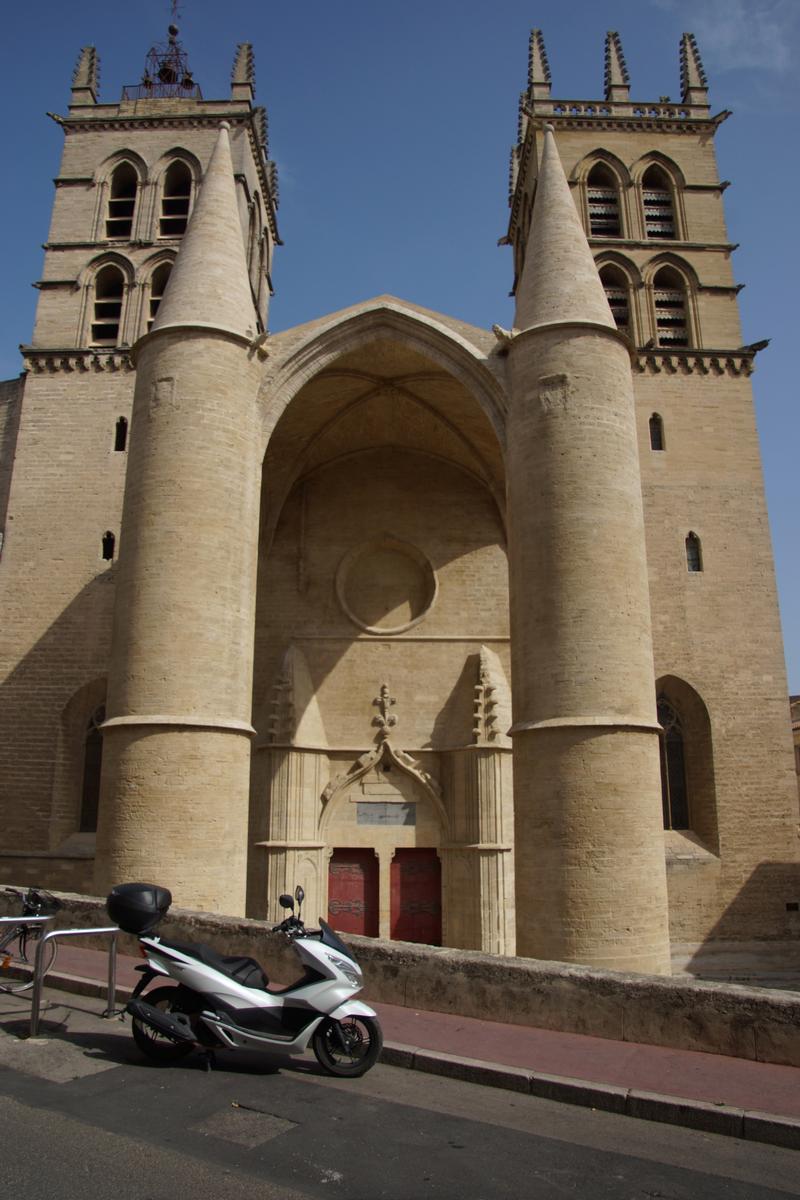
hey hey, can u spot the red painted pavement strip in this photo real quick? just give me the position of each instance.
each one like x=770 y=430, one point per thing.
x=692 y=1074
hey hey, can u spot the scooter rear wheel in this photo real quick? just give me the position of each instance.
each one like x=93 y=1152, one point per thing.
x=348 y=1048
x=157 y=1046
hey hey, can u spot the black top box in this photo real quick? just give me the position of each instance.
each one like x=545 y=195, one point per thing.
x=138 y=907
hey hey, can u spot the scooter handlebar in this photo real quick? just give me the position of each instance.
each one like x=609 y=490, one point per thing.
x=290 y=926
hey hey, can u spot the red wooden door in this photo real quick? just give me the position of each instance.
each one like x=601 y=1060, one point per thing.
x=353 y=892
x=416 y=880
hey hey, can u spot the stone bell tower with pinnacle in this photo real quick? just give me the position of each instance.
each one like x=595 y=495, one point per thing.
x=176 y=758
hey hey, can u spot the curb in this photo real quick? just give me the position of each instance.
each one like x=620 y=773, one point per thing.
x=747 y=1124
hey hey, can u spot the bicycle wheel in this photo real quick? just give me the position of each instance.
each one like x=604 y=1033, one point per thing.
x=15 y=970
x=18 y=959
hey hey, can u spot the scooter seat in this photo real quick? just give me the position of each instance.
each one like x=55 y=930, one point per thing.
x=244 y=970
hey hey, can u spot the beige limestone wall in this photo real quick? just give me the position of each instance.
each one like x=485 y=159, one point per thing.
x=178 y=721
x=751 y=1023
x=57 y=594
x=708 y=480
x=590 y=880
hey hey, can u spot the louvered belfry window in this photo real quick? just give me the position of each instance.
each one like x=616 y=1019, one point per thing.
x=669 y=299
x=109 y=290
x=603 y=198
x=659 y=212
x=615 y=286
x=175 y=200
x=121 y=202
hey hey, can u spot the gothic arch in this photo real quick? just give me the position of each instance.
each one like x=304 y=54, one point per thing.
x=698 y=752
x=392 y=319
x=68 y=777
x=110 y=164
x=103 y=179
x=654 y=158
x=165 y=161
x=382 y=752
x=582 y=168
x=87 y=279
x=615 y=258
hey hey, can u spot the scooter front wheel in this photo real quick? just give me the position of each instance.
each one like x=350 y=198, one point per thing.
x=158 y=1046
x=348 y=1048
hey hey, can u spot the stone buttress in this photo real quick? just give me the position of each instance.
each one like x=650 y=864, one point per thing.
x=590 y=875
x=176 y=762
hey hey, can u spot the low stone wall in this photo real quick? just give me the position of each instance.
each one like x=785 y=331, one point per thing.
x=745 y=1022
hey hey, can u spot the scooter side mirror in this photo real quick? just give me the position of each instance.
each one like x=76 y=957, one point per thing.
x=286 y=901
x=299 y=894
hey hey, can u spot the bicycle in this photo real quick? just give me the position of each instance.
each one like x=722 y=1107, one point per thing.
x=18 y=942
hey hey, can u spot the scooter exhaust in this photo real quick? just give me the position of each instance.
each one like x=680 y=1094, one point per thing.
x=173 y=1025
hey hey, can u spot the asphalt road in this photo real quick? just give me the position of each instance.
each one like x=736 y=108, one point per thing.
x=83 y=1118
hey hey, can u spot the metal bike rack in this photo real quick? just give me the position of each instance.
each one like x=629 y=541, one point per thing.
x=38 y=979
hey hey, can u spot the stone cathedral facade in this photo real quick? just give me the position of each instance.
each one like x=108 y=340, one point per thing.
x=472 y=632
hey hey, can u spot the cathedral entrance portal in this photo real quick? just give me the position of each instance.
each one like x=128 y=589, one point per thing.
x=416 y=880
x=353 y=892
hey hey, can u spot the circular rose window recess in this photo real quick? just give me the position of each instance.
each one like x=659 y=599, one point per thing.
x=385 y=585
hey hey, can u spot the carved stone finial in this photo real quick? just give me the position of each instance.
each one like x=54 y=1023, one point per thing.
x=617 y=79
x=243 y=75
x=694 y=83
x=538 y=67
x=491 y=708
x=386 y=720
x=86 y=77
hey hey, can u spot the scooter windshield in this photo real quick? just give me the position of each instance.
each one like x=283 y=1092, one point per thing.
x=330 y=939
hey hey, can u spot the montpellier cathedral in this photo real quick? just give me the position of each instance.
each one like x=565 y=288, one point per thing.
x=474 y=633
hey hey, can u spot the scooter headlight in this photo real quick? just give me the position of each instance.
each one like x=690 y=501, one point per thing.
x=351 y=972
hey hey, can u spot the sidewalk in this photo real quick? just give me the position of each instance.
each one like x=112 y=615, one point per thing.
x=738 y=1097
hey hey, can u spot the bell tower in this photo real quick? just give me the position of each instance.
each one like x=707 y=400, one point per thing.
x=130 y=178
x=637 y=518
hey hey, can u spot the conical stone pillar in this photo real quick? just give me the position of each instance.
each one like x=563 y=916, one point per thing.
x=176 y=756
x=590 y=872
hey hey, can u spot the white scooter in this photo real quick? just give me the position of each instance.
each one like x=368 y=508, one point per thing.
x=226 y=1001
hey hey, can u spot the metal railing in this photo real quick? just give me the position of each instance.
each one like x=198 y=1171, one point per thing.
x=38 y=976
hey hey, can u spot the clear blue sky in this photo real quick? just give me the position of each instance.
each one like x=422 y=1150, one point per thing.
x=391 y=125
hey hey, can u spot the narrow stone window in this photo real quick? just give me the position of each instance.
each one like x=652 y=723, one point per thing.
x=92 y=764
x=108 y=542
x=603 y=199
x=175 y=200
x=109 y=289
x=659 y=213
x=656 y=432
x=121 y=435
x=669 y=299
x=615 y=286
x=121 y=201
x=158 y=283
x=694 y=553
x=674 y=792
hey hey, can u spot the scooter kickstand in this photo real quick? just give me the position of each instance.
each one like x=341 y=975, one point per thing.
x=208 y=1059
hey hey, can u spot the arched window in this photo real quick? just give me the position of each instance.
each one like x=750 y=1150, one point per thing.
x=109 y=290
x=659 y=211
x=92 y=763
x=669 y=300
x=615 y=286
x=674 y=792
x=158 y=282
x=121 y=201
x=694 y=553
x=176 y=197
x=108 y=541
x=120 y=435
x=656 y=425
x=603 y=199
